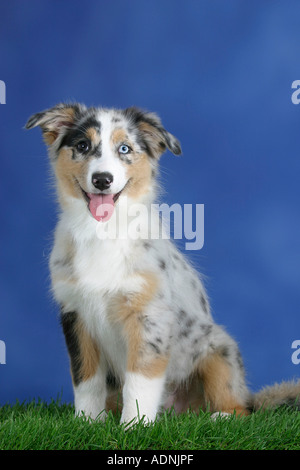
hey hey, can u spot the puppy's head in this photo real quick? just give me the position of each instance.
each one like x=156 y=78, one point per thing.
x=100 y=154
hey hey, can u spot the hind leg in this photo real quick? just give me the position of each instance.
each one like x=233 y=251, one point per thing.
x=220 y=392
x=221 y=375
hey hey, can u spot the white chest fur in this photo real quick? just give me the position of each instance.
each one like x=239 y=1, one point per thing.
x=101 y=265
x=86 y=272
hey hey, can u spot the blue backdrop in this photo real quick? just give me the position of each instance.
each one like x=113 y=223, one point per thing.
x=219 y=74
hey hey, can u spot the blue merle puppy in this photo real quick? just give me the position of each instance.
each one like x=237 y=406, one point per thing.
x=132 y=307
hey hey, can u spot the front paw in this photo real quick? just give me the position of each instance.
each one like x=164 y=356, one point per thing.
x=91 y=414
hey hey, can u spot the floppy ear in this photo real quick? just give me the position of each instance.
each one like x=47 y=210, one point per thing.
x=54 y=121
x=154 y=136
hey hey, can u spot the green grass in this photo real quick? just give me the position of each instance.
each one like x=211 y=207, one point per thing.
x=40 y=426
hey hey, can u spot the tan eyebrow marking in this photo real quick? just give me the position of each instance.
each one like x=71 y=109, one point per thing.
x=93 y=134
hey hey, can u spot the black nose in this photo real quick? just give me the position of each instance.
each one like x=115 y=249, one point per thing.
x=102 y=180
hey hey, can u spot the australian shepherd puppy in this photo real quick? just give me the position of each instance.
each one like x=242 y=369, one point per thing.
x=132 y=307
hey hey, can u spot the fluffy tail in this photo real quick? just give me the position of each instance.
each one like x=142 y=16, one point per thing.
x=283 y=394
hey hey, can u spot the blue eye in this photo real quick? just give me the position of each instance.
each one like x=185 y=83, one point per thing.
x=124 y=149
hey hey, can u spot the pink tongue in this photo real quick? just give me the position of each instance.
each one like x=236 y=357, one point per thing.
x=101 y=206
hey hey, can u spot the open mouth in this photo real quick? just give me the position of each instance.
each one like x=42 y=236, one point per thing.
x=101 y=206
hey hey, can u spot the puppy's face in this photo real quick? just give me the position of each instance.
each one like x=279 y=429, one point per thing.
x=101 y=154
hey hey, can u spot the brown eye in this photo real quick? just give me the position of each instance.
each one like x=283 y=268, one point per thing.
x=83 y=146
